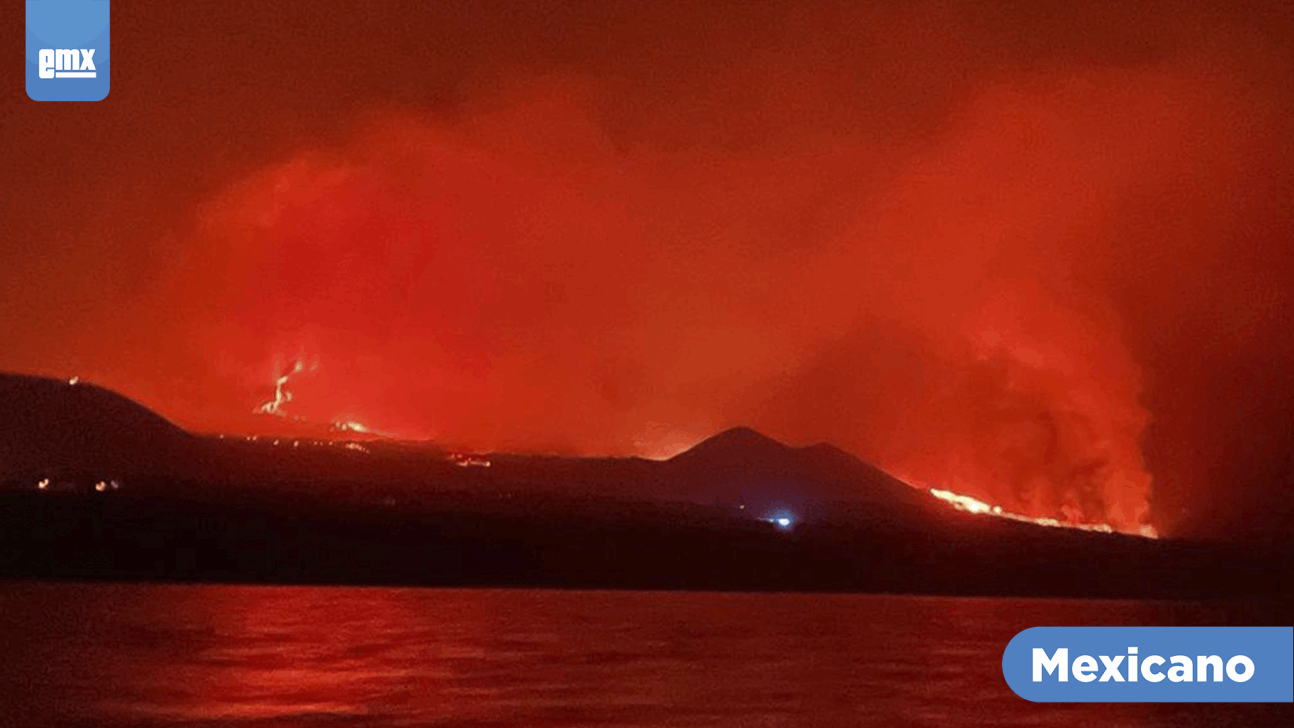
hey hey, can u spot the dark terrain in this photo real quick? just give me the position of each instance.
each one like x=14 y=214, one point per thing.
x=128 y=496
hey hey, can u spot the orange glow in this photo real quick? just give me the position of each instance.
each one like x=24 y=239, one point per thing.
x=974 y=505
x=469 y=461
x=1041 y=258
x=281 y=394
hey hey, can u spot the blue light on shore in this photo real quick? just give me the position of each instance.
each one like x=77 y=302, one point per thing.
x=784 y=520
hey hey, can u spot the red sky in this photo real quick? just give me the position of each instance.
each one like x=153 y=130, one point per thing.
x=1040 y=257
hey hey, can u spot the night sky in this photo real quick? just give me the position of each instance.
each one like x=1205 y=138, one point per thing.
x=1039 y=253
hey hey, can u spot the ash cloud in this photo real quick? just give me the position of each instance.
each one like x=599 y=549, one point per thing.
x=997 y=250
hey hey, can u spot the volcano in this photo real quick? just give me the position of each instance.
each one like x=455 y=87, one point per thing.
x=739 y=510
x=743 y=466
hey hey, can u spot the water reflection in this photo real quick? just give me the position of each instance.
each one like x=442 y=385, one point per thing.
x=241 y=656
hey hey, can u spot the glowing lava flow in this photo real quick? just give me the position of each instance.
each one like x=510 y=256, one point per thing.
x=359 y=428
x=281 y=394
x=974 y=505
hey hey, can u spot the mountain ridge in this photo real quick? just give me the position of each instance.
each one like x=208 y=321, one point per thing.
x=50 y=426
x=266 y=511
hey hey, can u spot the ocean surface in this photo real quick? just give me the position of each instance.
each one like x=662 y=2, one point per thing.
x=217 y=656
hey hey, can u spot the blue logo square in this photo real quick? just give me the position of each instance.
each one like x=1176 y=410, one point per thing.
x=67 y=50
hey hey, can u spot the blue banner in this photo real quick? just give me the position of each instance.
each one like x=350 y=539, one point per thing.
x=1151 y=664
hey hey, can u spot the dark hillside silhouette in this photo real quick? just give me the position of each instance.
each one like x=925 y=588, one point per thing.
x=382 y=512
x=63 y=430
